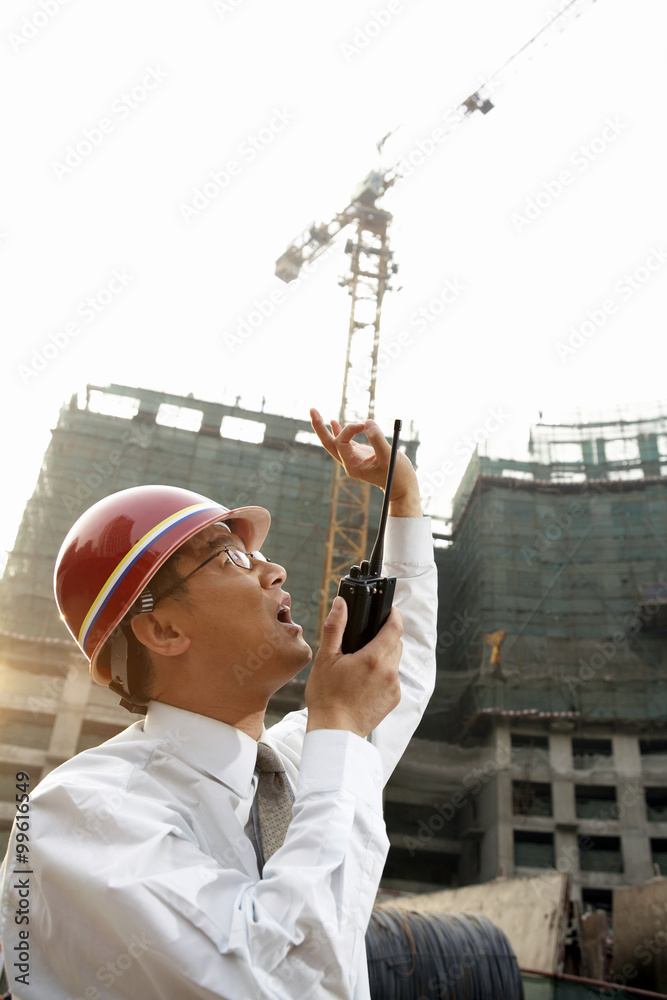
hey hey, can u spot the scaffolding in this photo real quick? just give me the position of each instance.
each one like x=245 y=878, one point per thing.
x=115 y=437
x=566 y=552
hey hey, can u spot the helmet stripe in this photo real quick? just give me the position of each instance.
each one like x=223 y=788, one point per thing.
x=128 y=561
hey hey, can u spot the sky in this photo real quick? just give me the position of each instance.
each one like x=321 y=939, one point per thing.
x=159 y=157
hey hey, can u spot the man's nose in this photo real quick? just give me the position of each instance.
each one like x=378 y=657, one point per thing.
x=272 y=574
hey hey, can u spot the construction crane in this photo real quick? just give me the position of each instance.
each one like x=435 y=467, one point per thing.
x=371 y=268
x=370 y=271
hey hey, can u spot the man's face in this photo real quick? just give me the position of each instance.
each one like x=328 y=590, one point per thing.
x=238 y=619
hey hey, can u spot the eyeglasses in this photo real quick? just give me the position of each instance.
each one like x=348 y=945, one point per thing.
x=236 y=556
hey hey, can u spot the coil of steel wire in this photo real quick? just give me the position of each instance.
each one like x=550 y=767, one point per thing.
x=448 y=956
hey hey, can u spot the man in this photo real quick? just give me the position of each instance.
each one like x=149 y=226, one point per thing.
x=156 y=867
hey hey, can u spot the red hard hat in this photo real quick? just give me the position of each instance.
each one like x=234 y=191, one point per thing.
x=118 y=544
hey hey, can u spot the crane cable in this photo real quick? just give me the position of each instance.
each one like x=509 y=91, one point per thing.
x=582 y=4
x=476 y=100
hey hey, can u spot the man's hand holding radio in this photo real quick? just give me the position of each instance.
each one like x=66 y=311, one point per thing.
x=369 y=462
x=354 y=691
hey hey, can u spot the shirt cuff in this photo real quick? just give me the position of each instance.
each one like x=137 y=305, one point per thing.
x=335 y=760
x=408 y=540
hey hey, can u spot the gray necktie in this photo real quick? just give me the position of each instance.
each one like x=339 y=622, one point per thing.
x=274 y=800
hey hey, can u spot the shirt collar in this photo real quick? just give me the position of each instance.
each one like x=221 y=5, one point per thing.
x=225 y=752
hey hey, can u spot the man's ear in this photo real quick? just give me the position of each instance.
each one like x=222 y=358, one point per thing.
x=160 y=634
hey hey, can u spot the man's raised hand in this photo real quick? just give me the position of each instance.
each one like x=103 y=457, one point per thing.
x=369 y=462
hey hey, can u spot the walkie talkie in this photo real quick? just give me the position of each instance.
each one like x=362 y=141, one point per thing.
x=367 y=594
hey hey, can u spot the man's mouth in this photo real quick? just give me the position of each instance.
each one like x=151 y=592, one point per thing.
x=284 y=615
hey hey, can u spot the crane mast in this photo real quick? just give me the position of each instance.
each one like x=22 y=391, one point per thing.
x=370 y=270
x=367 y=280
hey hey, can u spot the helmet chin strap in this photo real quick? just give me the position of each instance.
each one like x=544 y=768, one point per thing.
x=120 y=683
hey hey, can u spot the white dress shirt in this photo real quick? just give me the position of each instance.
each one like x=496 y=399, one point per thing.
x=143 y=882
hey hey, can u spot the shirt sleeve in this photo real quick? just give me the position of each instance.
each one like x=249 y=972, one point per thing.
x=136 y=907
x=408 y=555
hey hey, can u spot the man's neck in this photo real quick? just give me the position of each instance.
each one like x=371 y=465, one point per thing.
x=248 y=721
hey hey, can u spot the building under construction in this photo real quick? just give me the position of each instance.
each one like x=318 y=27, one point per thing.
x=544 y=747
x=550 y=713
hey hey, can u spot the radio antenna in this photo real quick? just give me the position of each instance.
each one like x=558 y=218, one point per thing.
x=378 y=548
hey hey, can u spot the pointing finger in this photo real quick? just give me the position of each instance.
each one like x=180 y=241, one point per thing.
x=326 y=438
